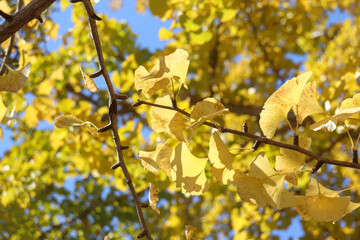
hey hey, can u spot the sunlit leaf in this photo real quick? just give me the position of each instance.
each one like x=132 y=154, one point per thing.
x=278 y=105
x=263 y=185
x=188 y=171
x=322 y=204
x=308 y=103
x=89 y=82
x=290 y=160
x=168 y=68
x=165 y=120
x=15 y=79
x=64 y=121
x=2 y=109
x=153 y=197
x=221 y=160
x=329 y=124
x=206 y=110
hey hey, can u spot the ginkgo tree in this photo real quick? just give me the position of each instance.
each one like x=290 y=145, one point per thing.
x=222 y=134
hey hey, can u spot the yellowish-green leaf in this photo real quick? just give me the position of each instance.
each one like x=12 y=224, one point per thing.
x=280 y=102
x=64 y=121
x=154 y=197
x=188 y=171
x=308 y=103
x=165 y=34
x=189 y=231
x=206 y=110
x=200 y=38
x=228 y=14
x=89 y=82
x=221 y=160
x=263 y=185
x=15 y=79
x=165 y=120
x=168 y=68
x=329 y=124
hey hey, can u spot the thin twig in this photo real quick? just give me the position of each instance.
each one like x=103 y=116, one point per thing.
x=321 y=160
x=92 y=17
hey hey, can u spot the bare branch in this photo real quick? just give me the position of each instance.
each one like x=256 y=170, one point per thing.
x=22 y=17
x=92 y=17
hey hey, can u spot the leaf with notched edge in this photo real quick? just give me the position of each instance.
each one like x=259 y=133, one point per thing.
x=188 y=171
x=322 y=204
x=263 y=185
x=15 y=80
x=173 y=66
x=307 y=104
x=165 y=120
x=221 y=160
x=278 y=105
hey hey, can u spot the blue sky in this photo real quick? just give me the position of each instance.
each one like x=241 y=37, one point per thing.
x=146 y=27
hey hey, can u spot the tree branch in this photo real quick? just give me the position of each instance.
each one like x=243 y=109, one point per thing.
x=31 y=11
x=320 y=160
x=12 y=41
x=92 y=17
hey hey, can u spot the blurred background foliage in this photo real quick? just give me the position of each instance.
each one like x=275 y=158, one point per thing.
x=57 y=183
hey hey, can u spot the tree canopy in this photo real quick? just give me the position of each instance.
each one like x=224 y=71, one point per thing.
x=244 y=123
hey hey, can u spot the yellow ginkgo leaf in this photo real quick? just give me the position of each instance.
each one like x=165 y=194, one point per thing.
x=2 y=109
x=322 y=204
x=307 y=104
x=148 y=159
x=165 y=120
x=64 y=121
x=89 y=82
x=168 y=68
x=263 y=185
x=221 y=160
x=278 y=105
x=189 y=231
x=15 y=80
x=163 y=158
x=290 y=160
x=206 y=110
x=329 y=124
x=188 y=171
x=154 y=197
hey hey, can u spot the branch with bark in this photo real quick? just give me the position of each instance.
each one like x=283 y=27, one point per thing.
x=113 y=97
x=14 y=22
x=259 y=140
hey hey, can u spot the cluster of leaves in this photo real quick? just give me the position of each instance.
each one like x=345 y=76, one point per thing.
x=241 y=52
x=262 y=184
